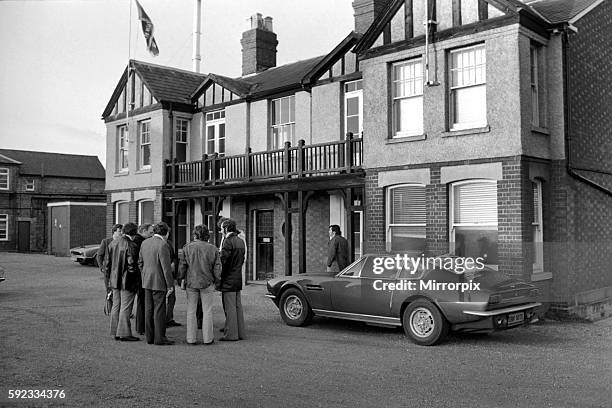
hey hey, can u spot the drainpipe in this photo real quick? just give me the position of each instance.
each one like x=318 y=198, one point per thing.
x=567 y=113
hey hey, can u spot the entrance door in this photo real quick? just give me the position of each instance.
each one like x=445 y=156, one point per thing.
x=59 y=231
x=23 y=234
x=264 y=245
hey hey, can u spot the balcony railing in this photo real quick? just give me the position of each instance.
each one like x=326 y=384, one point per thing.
x=287 y=163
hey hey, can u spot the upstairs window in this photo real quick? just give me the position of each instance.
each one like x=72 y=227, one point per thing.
x=144 y=135
x=353 y=107
x=215 y=132
x=29 y=185
x=283 y=121
x=408 y=98
x=181 y=139
x=4 y=178
x=122 y=148
x=538 y=108
x=468 y=91
x=406 y=217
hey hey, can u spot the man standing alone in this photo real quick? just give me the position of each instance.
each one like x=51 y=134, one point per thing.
x=232 y=258
x=337 y=250
x=157 y=281
x=124 y=279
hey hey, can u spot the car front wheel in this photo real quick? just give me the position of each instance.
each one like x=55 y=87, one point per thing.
x=294 y=308
x=424 y=323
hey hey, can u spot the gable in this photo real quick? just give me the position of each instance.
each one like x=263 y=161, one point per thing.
x=404 y=19
x=339 y=62
x=218 y=89
x=140 y=94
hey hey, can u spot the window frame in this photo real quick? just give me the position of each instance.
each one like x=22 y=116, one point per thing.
x=140 y=202
x=4 y=219
x=537 y=227
x=536 y=83
x=452 y=88
x=142 y=144
x=178 y=132
x=123 y=143
x=116 y=208
x=6 y=171
x=30 y=184
x=388 y=213
x=274 y=143
x=355 y=93
x=215 y=119
x=395 y=100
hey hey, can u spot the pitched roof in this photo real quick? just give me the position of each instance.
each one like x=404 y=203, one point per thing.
x=166 y=84
x=560 y=11
x=7 y=160
x=56 y=164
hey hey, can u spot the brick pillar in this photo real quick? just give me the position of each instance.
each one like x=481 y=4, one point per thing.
x=436 y=198
x=374 y=233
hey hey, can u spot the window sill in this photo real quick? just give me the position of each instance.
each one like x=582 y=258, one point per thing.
x=464 y=132
x=402 y=139
x=541 y=276
x=144 y=170
x=122 y=173
x=540 y=130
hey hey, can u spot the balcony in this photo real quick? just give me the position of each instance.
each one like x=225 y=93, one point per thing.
x=292 y=162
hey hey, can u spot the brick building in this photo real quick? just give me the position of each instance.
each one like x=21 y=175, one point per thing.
x=29 y=181
x=475 y=133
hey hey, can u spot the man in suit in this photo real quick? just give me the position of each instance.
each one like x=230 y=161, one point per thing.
x=103 y=251
x=232 y=258
x=337 y=250
x=123 y=277
x=157 y=281
x=144 y=231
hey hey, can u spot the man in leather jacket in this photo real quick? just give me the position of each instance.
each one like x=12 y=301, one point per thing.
x=232 y=258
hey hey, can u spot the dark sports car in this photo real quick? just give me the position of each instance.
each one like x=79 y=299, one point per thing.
x=85 y=254
x=426 y=302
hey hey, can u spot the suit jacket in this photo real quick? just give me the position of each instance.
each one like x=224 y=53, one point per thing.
x=101 y=258
x=200 y=265
x=232 y=258
x=338 y=253
x=155 y=264
x=121 y=269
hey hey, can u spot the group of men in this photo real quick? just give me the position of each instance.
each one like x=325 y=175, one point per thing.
x=140 y=262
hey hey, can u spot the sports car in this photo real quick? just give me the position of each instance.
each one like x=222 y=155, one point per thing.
x=426 y=302
x=85 y=254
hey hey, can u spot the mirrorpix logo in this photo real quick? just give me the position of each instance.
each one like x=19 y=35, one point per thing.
x=412 y=265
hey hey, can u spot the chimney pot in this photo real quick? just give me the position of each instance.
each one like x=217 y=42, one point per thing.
x=258 y=45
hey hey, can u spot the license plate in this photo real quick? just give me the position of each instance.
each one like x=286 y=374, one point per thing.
x=516 y=318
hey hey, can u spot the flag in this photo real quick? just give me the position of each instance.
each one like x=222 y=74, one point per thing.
x=147 y=30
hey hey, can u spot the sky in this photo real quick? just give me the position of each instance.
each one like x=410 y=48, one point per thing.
x=61 y=59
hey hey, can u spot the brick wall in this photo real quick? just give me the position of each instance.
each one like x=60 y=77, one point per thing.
x=133 y=209
x=87 y=224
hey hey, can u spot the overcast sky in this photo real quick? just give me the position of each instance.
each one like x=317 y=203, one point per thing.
x=60 y=60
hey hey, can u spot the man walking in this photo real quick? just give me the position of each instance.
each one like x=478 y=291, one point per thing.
x=157 y=281
x=123 y=277
x=232 y=258
x=337 y=250
x=201 y=269
x=144 y=231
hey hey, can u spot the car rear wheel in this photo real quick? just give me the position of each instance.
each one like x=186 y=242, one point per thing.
x=424 y=323
x=294 y=308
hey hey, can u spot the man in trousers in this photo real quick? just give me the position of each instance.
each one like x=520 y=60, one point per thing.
x=144 y=231
x=232 y=258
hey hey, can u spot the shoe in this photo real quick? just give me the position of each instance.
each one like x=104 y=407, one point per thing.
x=172 y=323
x=141 y=333
x=193 y=344
x=165 y=343
x=117 y=338
x=129 y=338
x=222 y=330
x=226 y=339
x=209 y=343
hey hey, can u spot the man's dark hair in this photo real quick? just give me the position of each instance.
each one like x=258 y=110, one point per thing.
x=201 y=232
x=336 y=229
x=143 y=228
x=116 y=227
x=130 y=229
x=229 y=225
x=161 y=228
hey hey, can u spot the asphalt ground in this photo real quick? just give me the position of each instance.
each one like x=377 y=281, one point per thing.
x=54 y=335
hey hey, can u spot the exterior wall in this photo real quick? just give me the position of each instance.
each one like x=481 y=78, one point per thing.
x=236 y=129
x=302 y=116
x=327 y=108
x=87 y=224
x=133 y=196
x=501 y=138
x=259 y=125
x=196 y=137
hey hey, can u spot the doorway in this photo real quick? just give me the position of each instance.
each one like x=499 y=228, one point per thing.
x=264 y=244
x=23 y=236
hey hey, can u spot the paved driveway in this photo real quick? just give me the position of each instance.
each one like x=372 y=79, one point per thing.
x=53 y=335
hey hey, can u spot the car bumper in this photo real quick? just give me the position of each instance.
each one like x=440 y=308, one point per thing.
x=500 y=319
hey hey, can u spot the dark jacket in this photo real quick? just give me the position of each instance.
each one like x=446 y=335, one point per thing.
x=232 y=258
x=337 y=253
x=200 y=265
x=121 y=268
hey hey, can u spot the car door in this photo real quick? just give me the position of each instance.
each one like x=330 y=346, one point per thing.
x=363 y=294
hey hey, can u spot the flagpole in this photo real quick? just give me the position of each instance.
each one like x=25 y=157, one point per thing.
x=127 y=83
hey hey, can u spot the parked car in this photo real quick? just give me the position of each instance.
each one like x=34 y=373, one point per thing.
x=85 y=254
x=2 y=274
x=493 y=302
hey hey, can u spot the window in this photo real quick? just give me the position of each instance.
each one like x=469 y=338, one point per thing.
x=145 y=212
x=538 y=117
x=538 y=257
x=283 y=121
x=406 y=217
x=29 y=185
x=3 y=227
x=408 y=98
x=215 y=132
x=144 y=134
x=353 y=107
x=354 y=270
x=4 y=179
x=122 y=148
x=181 y=139
x=468 y=88
x=122 y=212
x=473 y=224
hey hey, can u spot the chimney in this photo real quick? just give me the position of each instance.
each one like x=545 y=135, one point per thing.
x=366 y=11
x=258 y=45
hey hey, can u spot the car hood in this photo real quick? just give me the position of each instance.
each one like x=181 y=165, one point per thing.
x=498 y=281
x=92 y=246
